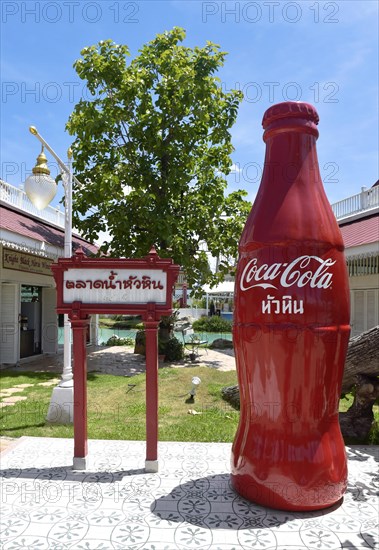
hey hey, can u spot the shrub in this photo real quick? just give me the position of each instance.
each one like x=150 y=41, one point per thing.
x=168 y=321
x=173 y=350
x=115 y=340
x=212 y=324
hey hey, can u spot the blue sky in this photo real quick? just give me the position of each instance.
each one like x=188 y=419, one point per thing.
x=325 y=53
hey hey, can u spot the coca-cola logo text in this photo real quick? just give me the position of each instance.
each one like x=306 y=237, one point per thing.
x=288 y=274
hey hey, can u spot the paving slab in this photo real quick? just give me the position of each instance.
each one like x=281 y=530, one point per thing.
x=50 y=383
x=14 y=398
x=122 y=361
x=188 y=504
x=5 y=442
x=8 y=391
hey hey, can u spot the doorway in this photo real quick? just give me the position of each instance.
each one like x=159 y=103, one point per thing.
x=30 y=321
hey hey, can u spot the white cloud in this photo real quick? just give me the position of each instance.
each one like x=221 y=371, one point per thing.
x=235 y=169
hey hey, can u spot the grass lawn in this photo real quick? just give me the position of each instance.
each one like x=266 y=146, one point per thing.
x=116 y=406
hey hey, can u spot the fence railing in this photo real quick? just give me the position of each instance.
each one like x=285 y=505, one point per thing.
x=366 y=199
x=363 y=264
x=18 y=198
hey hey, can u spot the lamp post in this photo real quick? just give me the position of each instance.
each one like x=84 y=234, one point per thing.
x=195 y=383
x=41 y=188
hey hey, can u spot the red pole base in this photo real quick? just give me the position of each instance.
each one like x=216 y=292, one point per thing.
x=79 y=329
x=151 y=331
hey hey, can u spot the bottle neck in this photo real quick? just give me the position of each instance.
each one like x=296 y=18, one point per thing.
x=291 y=154
x=291 y=205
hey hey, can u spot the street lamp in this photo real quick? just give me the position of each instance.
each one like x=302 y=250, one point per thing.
x=41 y=188
x=195 y=383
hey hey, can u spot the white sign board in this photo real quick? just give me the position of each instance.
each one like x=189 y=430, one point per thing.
x=105 y=286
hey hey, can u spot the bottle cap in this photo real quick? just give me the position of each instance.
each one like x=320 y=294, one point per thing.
x=290 y=109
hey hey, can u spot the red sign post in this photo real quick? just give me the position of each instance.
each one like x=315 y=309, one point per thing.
x=114 y=286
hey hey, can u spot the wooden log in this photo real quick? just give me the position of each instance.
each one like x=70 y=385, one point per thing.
x=362 y=358
x=356 y=423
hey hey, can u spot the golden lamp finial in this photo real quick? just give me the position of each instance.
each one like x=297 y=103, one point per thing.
x=41 y=166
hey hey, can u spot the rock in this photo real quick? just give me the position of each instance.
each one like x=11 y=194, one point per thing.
x=221 y=343
x=182 y=324
x=231 y=394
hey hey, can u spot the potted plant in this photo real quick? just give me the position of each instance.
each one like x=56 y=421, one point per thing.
x=166 y=326
x=140 y=343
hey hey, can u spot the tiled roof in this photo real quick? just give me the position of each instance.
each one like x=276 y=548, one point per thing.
x=363 y=231
x=25 y=225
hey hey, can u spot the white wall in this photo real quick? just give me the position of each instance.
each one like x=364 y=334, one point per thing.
x=196 y=313
x=364 y=298
x=49 y=321
x=9 y=325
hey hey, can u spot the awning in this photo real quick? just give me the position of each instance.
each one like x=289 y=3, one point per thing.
x=227 y=287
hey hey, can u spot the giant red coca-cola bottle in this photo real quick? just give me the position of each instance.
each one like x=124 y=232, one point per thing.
x=291 y=327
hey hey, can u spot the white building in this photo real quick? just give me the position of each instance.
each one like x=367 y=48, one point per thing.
x=30 y=240
x=358 y=218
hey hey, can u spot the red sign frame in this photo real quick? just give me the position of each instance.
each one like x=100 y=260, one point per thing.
x=152 y=263
x=79 y=315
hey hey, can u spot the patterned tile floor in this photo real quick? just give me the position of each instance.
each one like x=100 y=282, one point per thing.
x=188 y=504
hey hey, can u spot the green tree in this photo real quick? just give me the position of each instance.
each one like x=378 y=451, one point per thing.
x=153 y=147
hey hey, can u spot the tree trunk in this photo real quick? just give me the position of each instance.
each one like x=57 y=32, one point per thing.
x=362 y=357
x=357 y=421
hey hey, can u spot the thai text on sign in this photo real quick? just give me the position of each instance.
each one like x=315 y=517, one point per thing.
x=131 y=286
